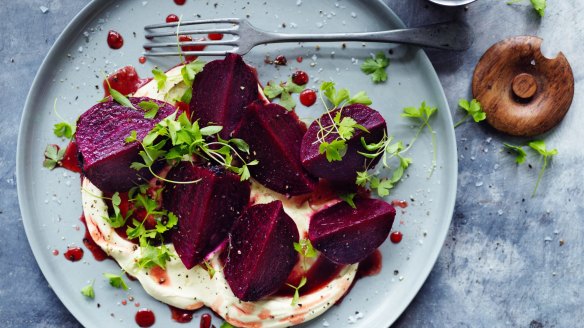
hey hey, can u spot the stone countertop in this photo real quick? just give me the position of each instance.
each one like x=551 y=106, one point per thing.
x=509 y=259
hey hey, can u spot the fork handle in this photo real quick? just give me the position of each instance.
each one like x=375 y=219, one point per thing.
x=448 y=36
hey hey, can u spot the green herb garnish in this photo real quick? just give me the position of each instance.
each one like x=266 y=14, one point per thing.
x=473 y=109
x=521 y=155
x=296 y=297
x=376 y=67
x=305 y=248
x=284 y=90
x=160 y=78
x=62 y=129
x=88 y=291
x=540 y=147
x=53 y=156
x=538 y=5
x=349 y=198
x=116 y=281
x=150 y=107
x=226 y=324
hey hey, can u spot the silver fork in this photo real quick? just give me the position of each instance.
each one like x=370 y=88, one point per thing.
x=448 y=36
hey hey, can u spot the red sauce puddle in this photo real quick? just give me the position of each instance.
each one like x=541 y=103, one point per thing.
x=71 y=158
x=180 y=315
x=318 y=276
x=74 y=254
x=368 y=267
x=125 y=81
x=90 y=244
x=308 y=97
x=145 y=318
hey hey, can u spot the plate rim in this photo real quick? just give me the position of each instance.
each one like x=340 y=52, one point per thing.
x=93 y=8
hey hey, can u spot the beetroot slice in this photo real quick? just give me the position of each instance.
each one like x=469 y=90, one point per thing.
x=346 y=235
x=344 y=171
x=104 y=154
x=261 y=254
x=274 y=136
x=221 y=91
x=206 y=210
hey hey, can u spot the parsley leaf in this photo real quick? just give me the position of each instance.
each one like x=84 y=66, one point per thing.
x=539 y=6
x=53 y=156
x=88 y=291
x=473 y=109
x=335 y=150
x=150 y=107
x=116 y=281
x=521 y=154
x=376 y=67
x=160 y=78
x=284 y=90
x=189 y=71
x=64 y=129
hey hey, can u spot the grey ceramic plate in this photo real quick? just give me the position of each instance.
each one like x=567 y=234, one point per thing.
x=72 y=73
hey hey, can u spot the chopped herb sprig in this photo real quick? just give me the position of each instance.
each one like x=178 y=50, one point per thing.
x=473 y=109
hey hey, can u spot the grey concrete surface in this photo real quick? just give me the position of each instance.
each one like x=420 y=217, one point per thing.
x=510 y=260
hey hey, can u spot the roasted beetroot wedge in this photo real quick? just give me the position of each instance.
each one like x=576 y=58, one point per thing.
x=274 y=136
x=104 y=154
x=261 y=253
x=222 y=90
x=346 y=235
x=206 y=210
x=344 y=171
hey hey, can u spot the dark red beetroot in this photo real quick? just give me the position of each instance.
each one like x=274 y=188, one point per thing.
x=274 y=136
x=104 y=154
x=346 y=235
x=222 y=90
x=344 y=171
x=262 y=251
x=206 y=210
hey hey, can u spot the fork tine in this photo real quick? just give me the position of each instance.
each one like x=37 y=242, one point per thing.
x=190 y=53
x=191 y=43
x=222 y=31
x=195 y=22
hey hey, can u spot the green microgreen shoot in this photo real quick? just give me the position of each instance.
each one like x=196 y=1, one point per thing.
x=284 y=91
x=226 y=324
x=118 y=96
x=521 y=155
x=160 y=78
x=538 y=146
x=88 y=291
x=53 y=156
x=116 y=281
x=209 y=268
x=389 y=150
x=188 y=139
x=473 y=109
x=296 y=297
x=538 y=5
x=376 y=67
x=63 y=129
x=349 y=198
x=342 y=128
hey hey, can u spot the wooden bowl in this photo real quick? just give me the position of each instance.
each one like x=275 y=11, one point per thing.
x=523 y=92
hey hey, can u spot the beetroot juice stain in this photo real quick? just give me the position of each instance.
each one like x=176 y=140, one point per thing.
x=73 y=254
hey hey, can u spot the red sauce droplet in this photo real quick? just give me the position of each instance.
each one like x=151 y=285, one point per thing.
x=125 y=81
x=299 y=59
x=55 y=252
x=186 y=38
x=300 y=77
x=180 y=2
x=370 y=266
x=74 y=254
x=205 y=321
x=399 y=203
x=114 y=39
x=137 y=304
x=71 y=158
x=142 y=60
x=308 y=97
x=280 y=60
x=180 y=315
x=91 y=245
x=171 y=18
x=396 y=237
x=215 y=36
x=124 y=302
x=145 y=318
